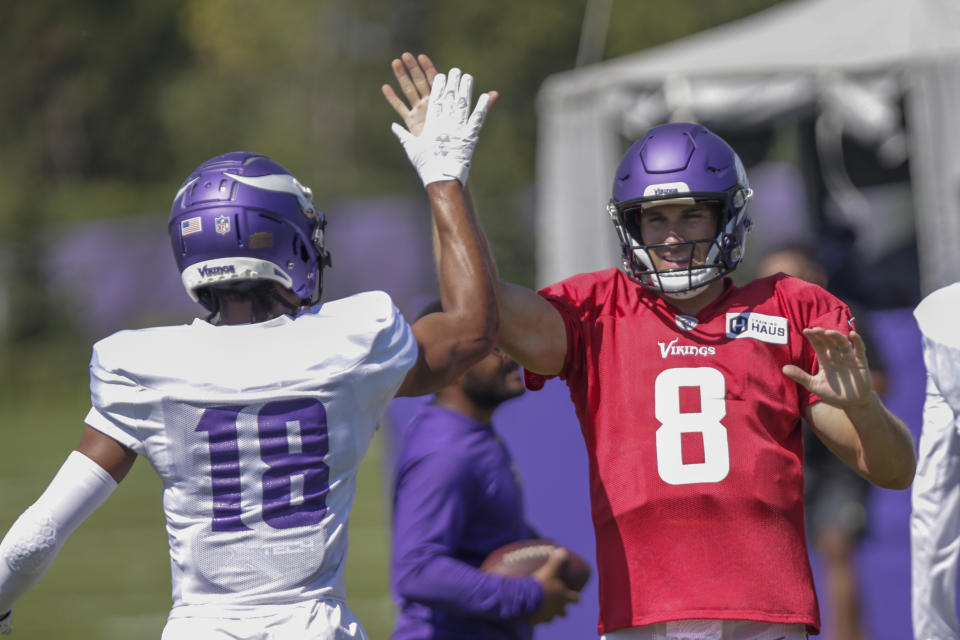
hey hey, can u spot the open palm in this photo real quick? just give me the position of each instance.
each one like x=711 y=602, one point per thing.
x=415 y=77
x=843 y=378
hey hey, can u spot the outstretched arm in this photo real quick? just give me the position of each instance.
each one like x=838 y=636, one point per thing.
x=87 y=478
x=414 y=78
x=531 y=329
x=453 y=340
x=851 y=419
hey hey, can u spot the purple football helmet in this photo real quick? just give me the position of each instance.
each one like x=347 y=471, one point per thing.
x=681 y=163
x=242 y=217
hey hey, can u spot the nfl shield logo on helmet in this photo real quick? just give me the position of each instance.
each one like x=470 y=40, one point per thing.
x=222 y=224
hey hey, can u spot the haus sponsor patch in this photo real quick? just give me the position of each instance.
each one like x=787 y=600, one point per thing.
x=772 y=329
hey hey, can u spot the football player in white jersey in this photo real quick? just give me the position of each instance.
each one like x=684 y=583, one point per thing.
x=935 y=513
x=257 y=418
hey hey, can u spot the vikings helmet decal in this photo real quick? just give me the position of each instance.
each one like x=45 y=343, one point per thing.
x=243 y=217
x=681 y=163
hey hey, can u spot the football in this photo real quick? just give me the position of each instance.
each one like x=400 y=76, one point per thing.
x=523 y=557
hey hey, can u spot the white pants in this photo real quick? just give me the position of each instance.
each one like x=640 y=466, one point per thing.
x=711 y=630
x=320 y=620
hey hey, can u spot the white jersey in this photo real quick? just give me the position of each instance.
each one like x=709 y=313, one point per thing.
x=935 y=516
x=257 y=432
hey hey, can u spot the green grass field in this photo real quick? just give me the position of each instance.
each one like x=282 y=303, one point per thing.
x=111 y=581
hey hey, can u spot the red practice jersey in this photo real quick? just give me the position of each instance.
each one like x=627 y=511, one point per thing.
x=693 y=439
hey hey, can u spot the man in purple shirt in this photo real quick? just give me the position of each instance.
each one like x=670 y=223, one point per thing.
x=456 y=498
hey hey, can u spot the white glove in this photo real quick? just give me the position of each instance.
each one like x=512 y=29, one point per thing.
x=444 y=148
x=6 y=624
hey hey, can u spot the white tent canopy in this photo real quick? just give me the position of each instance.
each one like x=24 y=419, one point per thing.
x=849 y=61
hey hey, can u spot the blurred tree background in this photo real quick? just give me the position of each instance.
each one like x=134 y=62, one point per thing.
x=106 y=105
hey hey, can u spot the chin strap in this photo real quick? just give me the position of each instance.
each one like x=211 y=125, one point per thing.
x=291 y=307
x=683 y=295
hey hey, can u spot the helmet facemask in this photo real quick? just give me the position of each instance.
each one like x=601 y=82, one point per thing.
x=724 y=253
x=681 y=163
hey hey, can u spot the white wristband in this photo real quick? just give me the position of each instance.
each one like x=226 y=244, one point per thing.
x=28 y=549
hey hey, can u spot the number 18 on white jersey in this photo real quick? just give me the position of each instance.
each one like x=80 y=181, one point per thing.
x=257 y=432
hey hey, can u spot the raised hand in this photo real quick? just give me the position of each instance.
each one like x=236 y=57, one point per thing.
x=843 y=378
x=444 y=148
x=414 y=77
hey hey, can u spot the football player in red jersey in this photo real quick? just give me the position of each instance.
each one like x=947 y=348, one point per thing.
x=689 y=391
